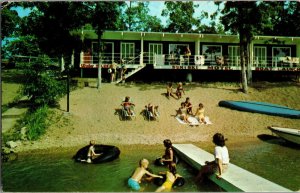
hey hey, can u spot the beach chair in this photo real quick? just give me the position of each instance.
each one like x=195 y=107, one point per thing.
x=126 y=116
x=149 y=115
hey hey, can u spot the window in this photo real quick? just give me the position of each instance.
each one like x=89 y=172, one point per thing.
x=234 y=55
x=177 y=48
x=211 y=52
x=279 y=53
x=127 y=52
x=107 y=52
x=260 y=56
x=154 y=49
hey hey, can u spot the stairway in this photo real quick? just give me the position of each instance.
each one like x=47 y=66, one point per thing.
x=130 y=73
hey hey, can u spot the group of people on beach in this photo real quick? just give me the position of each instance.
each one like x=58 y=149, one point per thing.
x=128 y=106
x=184 y=112
x=217 y=166
x=117 y=71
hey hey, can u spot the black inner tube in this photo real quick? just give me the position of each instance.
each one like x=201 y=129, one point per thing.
x=108 y=153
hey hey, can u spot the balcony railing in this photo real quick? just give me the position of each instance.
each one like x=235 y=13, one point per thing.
x=137 y=59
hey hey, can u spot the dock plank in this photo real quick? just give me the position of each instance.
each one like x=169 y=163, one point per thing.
x=235 y=179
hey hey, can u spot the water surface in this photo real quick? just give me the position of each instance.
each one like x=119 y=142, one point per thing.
x=52 y=171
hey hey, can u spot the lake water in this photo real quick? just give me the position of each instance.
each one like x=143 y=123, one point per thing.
x=56 y=172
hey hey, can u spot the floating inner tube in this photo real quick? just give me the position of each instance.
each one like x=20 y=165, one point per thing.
x=178 y=182
x=158 y=162
x=109 y=153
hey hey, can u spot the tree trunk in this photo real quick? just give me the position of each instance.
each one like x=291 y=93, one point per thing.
x=243 y=67
x=99 y=63
x=249 y=70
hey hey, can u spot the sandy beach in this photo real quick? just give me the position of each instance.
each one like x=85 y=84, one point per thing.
x=92 y=115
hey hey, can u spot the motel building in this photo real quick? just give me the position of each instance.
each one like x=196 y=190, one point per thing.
x=187 y=53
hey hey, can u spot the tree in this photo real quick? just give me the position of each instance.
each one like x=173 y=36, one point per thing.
x=51 y=23
x=281 y=18
x=40 y=87
x=9 y=21
x=23 y=45
x=180 y=16
x=242 y=18
x=104 y=16
x=136 y=17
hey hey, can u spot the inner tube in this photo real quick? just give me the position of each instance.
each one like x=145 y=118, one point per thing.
x=109 y=153
x=178 y=182
x=158 y=162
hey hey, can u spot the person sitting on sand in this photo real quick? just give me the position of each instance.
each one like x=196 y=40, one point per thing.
x=189 y=106
x=170 y=91
x=182 y=112
x=171 y=176
x=91 y=152
x=135 y=180
x=200 y=113
x=179 y=90
x=220 y=164
x=127 y=105
x=152 y=109
x=169 y=153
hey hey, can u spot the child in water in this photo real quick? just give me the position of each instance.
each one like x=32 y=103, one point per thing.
x=171 y=176
x=91 y=152
x=135 y=180
x=169 y=154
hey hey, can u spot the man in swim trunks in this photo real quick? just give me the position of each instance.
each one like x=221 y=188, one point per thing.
x=135 y=180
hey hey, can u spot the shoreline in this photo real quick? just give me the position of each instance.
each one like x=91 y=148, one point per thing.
x=92 y=115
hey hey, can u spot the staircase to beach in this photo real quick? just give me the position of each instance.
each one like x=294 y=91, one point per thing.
x=130 y=73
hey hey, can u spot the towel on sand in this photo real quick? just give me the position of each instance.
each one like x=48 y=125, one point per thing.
x=194 y=121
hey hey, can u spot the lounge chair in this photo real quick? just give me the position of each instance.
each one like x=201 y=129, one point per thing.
x=149 y=115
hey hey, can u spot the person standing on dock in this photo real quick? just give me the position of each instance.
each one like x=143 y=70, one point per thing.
x=220 y=164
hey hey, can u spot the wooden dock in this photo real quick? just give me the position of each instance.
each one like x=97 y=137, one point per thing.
x=235 y=179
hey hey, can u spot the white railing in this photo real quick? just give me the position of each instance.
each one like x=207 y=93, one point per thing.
x=201 y=60
x=198 y=60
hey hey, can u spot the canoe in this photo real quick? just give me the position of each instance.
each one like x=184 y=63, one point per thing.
x=292 y=135
x=108 y=153
x=261 y=107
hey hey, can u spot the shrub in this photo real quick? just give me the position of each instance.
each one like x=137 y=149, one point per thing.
x=36 y=122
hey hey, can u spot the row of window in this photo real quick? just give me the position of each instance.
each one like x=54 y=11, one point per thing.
x=211 y=52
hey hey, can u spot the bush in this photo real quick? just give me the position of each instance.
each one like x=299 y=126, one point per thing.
x=36 y=123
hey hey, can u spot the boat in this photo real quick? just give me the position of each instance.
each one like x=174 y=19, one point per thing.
x=108 y=153
x=261 y=107
x=292 y=135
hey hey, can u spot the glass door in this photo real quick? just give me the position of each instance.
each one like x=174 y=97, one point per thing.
x=154 y=49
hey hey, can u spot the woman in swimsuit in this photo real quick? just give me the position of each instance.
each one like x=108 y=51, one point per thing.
x=200 y=114
x=171 y=176
x=182 y=112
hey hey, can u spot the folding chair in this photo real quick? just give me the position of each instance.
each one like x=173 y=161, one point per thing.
x=149 y=115
x=126 y=116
